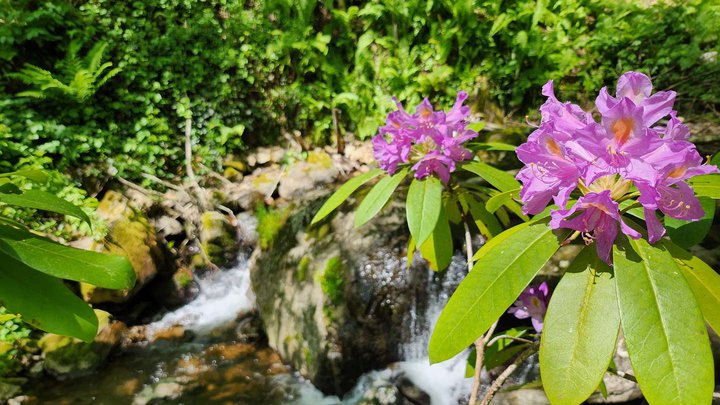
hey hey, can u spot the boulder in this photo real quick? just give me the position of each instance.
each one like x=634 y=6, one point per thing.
x=219 y=238
x=334 y=300
x=65 y=356
x=131 y=235
x=302 y=177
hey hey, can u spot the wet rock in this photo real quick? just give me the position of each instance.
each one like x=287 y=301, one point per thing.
x=382 y=393
x=162 y=391
x=254 y=188
x=175 y=333
x=412 y=392
x=130 y=234
x=302 y=177
x=218 y=238
x=333 y=299
x=65 y=356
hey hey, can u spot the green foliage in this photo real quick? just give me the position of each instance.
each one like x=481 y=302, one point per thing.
x=343 y=193
x=270 y=222
x=34 y=267
x=423 y=206
x=266 y=67
x=15 y=342
x=662 y=324
x=492 y=286
x=83 y=77
x=580 y=330
x=378 y=196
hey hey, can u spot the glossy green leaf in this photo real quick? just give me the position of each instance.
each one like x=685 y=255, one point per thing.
x=343 y=193
x=44 y=301
x=689 y=233
x=103 y=270
x=499 y=179
x=664 y=330
x=438 y=248
x=486 y=222
x=500 y=199
x=378 y=197
x=706 y=185
x=38 y=176
x=580 y=330
x=506 y=265
x=423 y=206
x=45 y=201
x=702 y=279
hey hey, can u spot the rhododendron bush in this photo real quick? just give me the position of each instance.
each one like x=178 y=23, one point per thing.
x=624 y=182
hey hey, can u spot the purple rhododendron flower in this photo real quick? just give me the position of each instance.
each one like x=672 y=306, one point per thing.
x=598 y=221
x=432 y=141
x=532 y=303
x=571 y=151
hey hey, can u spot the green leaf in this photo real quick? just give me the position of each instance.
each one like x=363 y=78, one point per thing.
x=499 y=179
x=500 y=199
x=410 y=251
x=702 y=279
x=494 y=146
x=38 y=176
x=689 y=233
x=45 y=201
x=476 y=126
x=44 y=301
x=378 y=197
x=103 y=270
x=506 y=265
x=580 y=330
x=664 y=330
x=706 y=185
x=438 y=248
x=486 y=222
x=343 y=193
x=423 y=206
x=715 y=159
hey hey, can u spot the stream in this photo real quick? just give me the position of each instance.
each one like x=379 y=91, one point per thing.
x=215 y=364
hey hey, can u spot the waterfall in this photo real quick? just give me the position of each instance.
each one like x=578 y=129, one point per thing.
x=445 y=382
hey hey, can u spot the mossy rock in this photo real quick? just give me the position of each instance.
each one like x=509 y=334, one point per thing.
x=65 y=356
x=131 y=235
x=218 y=238
x=333 y=302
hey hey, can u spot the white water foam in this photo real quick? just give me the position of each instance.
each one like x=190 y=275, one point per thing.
x=224 y=295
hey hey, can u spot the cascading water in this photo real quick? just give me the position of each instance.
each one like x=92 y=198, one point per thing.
x=223 y=296
x=445 y=383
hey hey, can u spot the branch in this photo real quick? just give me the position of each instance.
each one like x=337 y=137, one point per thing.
x=517 y=339
x=188 y=165
x=497 y=384
x=622 y=374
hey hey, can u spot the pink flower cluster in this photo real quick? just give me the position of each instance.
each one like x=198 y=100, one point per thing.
x=630 y=146
x=430 y=140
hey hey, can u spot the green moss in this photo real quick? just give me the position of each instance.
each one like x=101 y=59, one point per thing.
x=270 y=221
x=331 y=280
x=303 y=266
